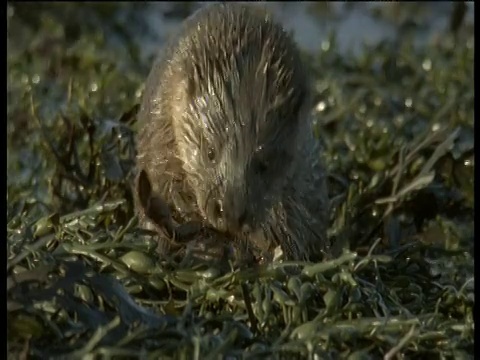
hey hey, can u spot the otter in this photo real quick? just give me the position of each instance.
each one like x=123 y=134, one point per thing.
x=226 y=140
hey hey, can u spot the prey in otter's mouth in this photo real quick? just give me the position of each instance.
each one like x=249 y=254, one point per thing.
x=226 y=137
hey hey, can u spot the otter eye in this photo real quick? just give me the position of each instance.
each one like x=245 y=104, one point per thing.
x=261 y=166
x=211 y=154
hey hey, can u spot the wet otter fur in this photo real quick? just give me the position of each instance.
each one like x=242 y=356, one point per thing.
x=226 y=139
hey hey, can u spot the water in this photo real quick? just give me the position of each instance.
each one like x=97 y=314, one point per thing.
x=312 y=22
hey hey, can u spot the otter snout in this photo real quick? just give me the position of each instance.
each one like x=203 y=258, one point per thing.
x=228 y=216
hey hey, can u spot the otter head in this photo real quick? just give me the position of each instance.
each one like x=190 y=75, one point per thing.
x=242 y=98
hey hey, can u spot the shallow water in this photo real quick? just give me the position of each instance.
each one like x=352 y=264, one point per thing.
x=312 y=22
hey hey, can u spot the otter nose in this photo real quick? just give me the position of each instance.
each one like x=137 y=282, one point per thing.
x=235 y=219
x=227 y=219
x=216 y=211
x=242 y=218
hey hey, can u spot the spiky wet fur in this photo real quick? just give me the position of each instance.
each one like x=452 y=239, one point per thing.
x=249 y=68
